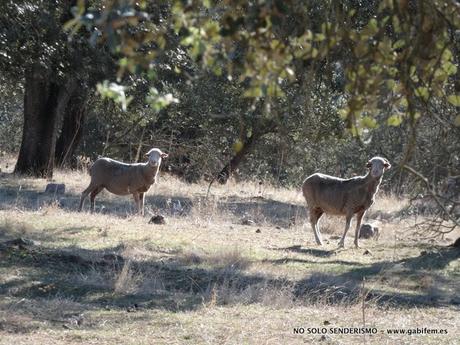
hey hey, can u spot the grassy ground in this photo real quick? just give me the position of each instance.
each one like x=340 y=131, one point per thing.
x=203 y=277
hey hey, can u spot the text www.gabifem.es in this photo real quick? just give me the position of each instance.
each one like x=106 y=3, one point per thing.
x=368 y=330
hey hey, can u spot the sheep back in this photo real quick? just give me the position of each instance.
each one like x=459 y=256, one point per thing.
x=122 y=178
x=335 y=195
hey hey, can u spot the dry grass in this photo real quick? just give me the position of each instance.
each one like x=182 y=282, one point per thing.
x=204 y=277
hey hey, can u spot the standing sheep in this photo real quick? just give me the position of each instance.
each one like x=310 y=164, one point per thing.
x=123 y=179
x=345 y=197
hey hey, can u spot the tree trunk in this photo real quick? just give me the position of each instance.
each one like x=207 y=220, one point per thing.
x=40 y=100
x=44 y=103
x=231 y=166
x=71 y=132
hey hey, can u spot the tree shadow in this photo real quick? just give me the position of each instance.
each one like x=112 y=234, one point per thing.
x=320 y=253
x=9 y=230
x=438 y=258
x=287 y=260
x=27 y=197
x=265 y=210
x=347 y=286
x=98 y=279
x=259 y=209
x=90 y=277
x=59 y=266
x=104 y=278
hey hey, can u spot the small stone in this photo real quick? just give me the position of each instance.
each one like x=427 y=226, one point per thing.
x=246 y=221
x=55 y=188
x=367 y=252
x=278 y=227
x=367 y=231
x=158 y=219
x=258 y=231
x=132 y=308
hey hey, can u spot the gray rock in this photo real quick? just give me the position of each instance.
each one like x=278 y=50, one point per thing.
x=158 y=219
x=246 y=221
x=368 y=231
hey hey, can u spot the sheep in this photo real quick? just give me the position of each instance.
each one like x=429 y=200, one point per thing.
x=345 y=197
x=123 y=179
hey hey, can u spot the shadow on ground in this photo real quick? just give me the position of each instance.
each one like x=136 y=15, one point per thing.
x=258 y=209
x=321 y=253
x=106 y=280
x=432 y=287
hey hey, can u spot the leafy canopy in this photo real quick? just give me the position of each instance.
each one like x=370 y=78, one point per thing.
x=397 y=56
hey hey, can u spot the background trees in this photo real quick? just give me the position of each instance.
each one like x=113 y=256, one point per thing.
x=56 y=75
x=286 y=87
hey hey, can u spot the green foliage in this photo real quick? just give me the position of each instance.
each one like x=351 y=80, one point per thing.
x=392 y=54
x=114 y=91
x=295 y=74
x=395 y=120
x=454 y=100
x=157 y=101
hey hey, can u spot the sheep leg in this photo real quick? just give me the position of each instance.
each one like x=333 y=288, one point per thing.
x=84 y=195
x=137 y=201
x=359 y=218
x=315 y=215
x=347 y=226
x=141 y=203
x=93 y=196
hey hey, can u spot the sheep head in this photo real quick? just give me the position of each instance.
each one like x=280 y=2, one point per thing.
x=155 y=156
x=377 y=166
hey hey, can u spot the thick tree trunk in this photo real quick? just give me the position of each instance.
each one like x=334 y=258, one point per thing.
x=44 y=103
x=40 y=101
x=233 y=164
x=71 y=132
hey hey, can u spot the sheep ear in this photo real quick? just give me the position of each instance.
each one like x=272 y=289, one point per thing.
x=387 y=165
x=369 y=164
x=164 y=155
